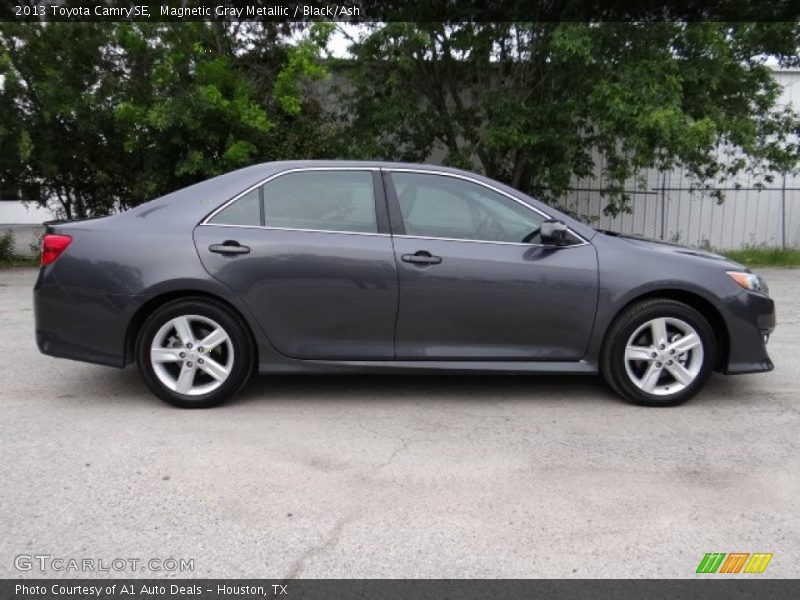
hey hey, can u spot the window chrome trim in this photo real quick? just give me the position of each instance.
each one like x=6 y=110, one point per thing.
x=376 y=234
x=488 y=187
x=464 y=240
x=421 y=171
x=229 y=225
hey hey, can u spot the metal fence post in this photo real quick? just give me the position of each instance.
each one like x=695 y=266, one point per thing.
x=783 y=212
x=663 y=203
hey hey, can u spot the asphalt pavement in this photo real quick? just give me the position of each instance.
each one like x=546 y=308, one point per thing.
x=393 y=476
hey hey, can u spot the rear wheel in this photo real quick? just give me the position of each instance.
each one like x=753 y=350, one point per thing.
x=659 y=353
x=194 y=353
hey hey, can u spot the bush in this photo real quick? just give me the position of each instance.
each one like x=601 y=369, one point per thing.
x=7 y=247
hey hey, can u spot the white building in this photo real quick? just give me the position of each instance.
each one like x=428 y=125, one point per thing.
x=24 y=220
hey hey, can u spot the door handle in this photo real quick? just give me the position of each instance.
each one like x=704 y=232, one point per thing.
x=422 y=258
x=229 y=248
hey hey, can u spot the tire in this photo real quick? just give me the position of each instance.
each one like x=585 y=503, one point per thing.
x=644 y=359
x=182 y=371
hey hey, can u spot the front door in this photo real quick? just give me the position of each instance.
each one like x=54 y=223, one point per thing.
x=475 y=285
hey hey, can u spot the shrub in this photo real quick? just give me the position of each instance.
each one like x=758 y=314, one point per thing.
x=7 y=247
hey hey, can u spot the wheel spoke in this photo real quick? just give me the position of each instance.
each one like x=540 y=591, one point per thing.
x=650 y=378
x=185 y=379
x=678 y=359
x=638 y=353
x=679 y=372
x=658 y=327
x=213 y=368
x=685 y=343
x=213 y=339
x=184 y=330
x=162 y=355
x=179 y=353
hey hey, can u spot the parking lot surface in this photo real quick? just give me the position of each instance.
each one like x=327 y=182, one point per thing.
x=396 y=476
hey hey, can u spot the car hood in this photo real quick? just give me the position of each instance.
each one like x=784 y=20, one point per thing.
x=675 y=249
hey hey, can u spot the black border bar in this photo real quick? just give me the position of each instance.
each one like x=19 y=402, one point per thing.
x=707 y=587
x=399 y=10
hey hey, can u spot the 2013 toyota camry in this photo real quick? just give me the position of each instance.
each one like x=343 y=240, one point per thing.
x=334 y=266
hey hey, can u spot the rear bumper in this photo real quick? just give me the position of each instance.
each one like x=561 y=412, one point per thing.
x=81 y=325
x=751 y=320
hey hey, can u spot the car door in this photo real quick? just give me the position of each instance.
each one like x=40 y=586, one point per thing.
x=310 y=253
x=474 y=284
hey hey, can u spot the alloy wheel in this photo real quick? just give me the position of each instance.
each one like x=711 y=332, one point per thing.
x=192 y=355
x=663 y=356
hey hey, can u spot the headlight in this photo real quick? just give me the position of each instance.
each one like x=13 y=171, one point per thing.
x=749 y=281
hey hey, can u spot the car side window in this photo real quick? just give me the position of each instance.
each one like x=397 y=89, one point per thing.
x=322 y=200
x=448 y=207
x=244 y=211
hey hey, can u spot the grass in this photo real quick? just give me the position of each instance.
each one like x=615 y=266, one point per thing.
x=761 y=256
x=17 y=261
x=10 y=259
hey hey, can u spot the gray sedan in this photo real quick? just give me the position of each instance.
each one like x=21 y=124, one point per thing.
x=334 y=266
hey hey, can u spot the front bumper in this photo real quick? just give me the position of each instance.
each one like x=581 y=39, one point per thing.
x=751 y=319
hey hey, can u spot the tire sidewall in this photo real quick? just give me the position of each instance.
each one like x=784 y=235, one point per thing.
x=633 y=320
x=242 y=351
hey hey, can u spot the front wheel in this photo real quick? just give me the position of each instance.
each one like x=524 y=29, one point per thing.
x=659 y=353
x=194 y=353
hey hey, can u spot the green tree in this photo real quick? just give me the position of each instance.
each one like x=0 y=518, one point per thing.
x=185 y=109
x=53 y=126
x=534 y=104
x=105 y=116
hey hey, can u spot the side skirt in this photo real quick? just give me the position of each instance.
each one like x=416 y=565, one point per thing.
x=428 y=366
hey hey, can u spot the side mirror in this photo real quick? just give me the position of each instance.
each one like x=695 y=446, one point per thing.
x=553 y=233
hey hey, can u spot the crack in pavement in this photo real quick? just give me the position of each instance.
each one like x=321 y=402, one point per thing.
x=333 y=538
x=405 y=443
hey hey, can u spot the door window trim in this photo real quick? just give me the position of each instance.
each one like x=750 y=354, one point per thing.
x=387 y=208
x=395 y=214
x=378 y=194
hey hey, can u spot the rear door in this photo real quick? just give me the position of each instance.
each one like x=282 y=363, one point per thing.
x=310 y=253
x=474 y=282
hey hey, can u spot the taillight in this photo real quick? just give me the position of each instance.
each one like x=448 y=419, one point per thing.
x=52 y=247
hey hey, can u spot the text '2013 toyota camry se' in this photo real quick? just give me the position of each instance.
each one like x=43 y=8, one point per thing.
x=339 y=266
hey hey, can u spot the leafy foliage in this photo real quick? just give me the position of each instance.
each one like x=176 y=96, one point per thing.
x=102 y=116
x=53 y=126
x=189 y=108
x=106 y=116
x=7 y=247
x=536 y=104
